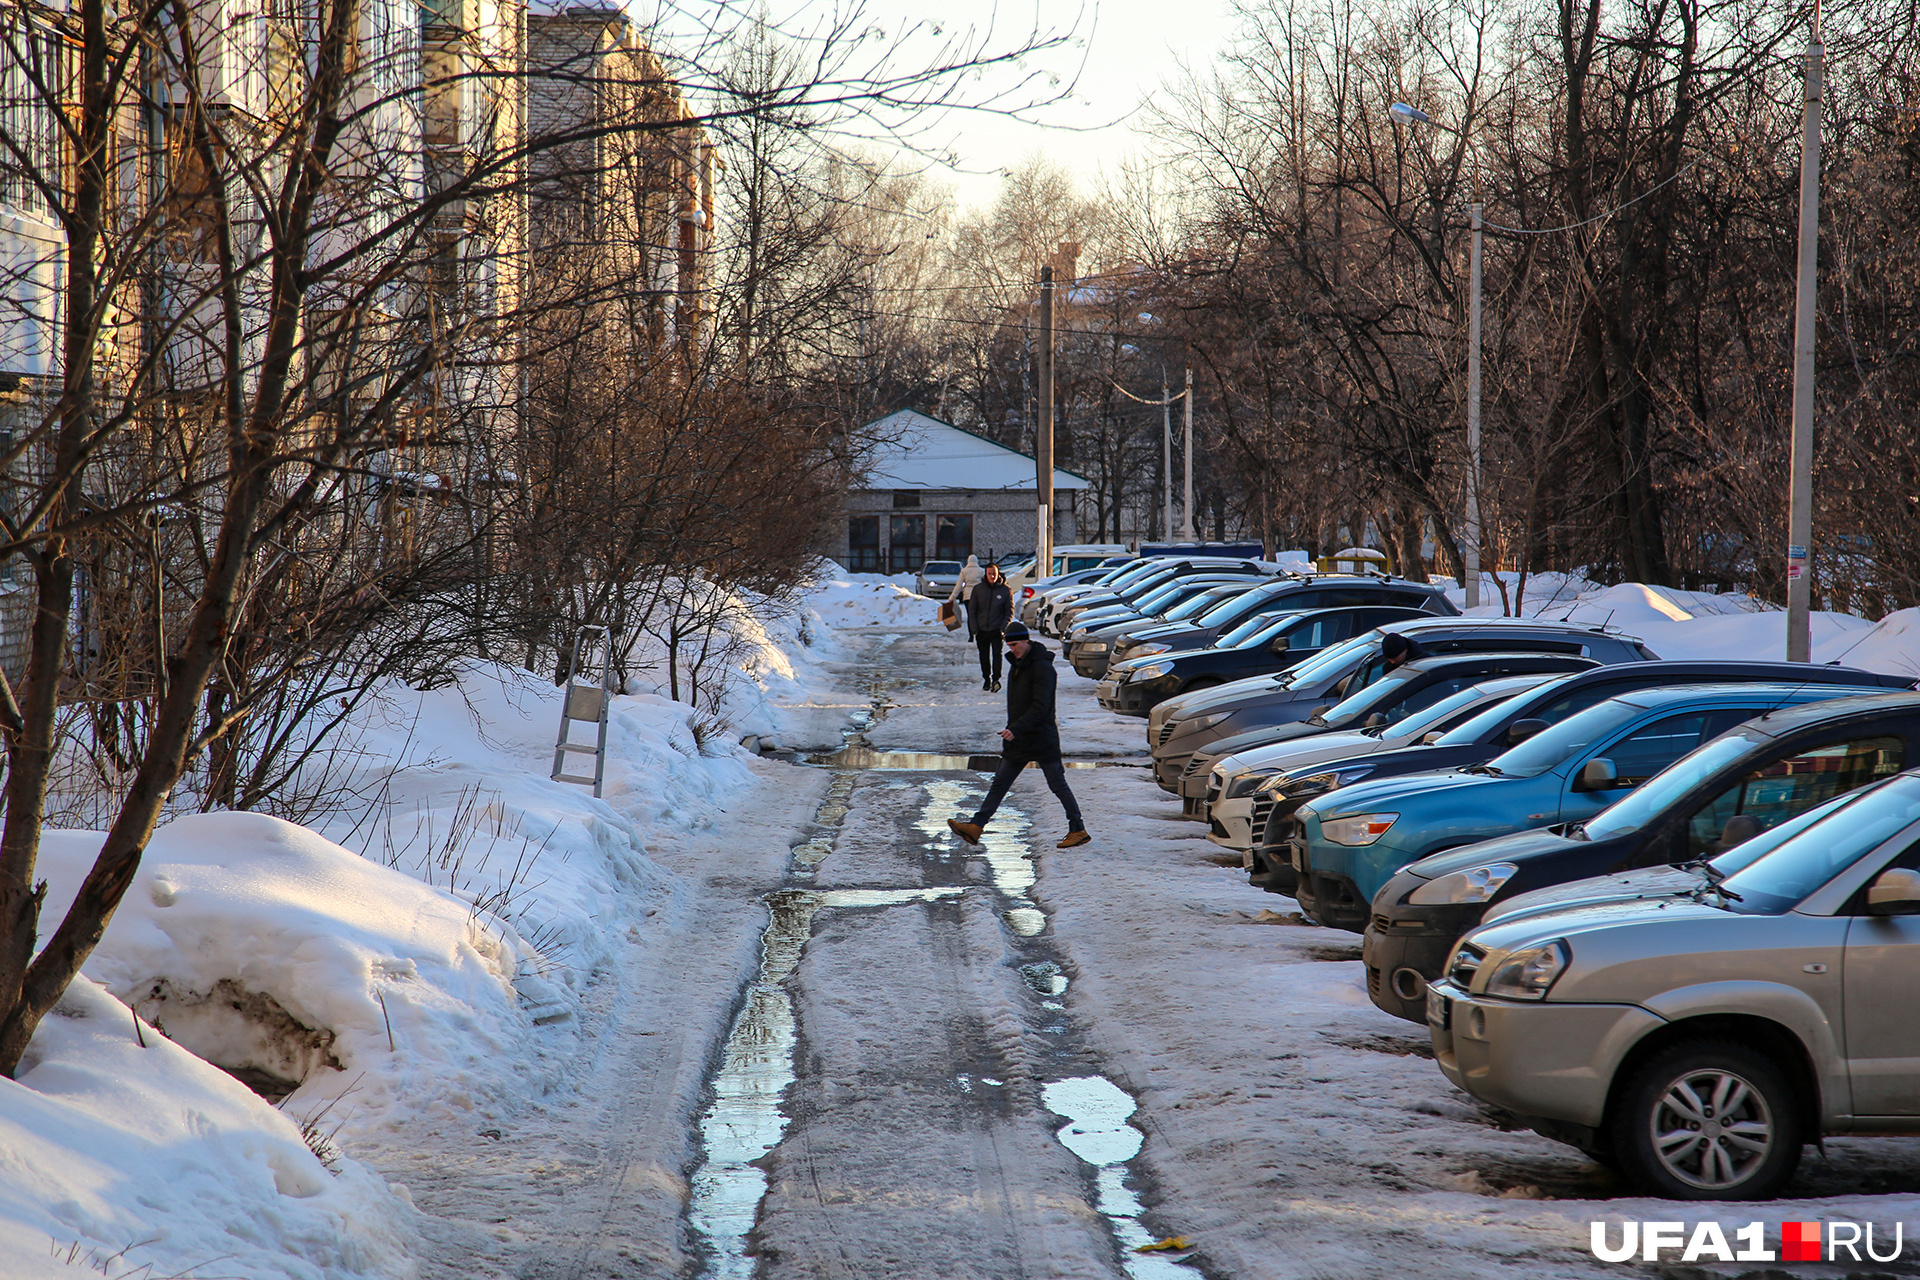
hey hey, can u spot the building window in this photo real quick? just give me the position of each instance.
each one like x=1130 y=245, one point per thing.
x=906 y=544
x=906 y=497
x=863 y=544
x=953 y=537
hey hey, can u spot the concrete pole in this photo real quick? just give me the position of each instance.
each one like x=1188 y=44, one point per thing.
x=1166 y=455
x=1472 y=585
x=1800 y=484
x=1188 y=526
x=1043 y=434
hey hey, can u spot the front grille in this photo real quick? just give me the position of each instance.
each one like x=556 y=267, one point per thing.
x=1466 y=963
x=1166 y=731
x=1282 y=828
x=1262 y=811
x=1382 y=923
x=1195 y=766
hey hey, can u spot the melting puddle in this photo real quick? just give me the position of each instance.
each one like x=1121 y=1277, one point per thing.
x=857 y=756
x=1096 y=1111
x=744 y=1121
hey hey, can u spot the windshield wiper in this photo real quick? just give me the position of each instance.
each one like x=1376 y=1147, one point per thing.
x=1487 y=769
x=1715 y=882
x=1578 y=831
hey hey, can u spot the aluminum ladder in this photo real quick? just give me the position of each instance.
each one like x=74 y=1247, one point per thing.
x=586 y=702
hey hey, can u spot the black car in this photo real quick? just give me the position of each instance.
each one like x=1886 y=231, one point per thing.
x=1091 y=652
x=1262 y=644
x=1495 y=730
x=1744 y=782
x=1180 y=726
x=1412 y=687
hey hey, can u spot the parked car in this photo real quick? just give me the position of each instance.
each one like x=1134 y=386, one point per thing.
x=1496 y=730
x=1156 y=607
x=1742 y=783
x=1028 y=599
x=1261 y=644
x=1233 y=780
x=1697 y=1041
x=1023 y=569
x=1052 y=594
x=1394 y=696
x=936 y=578
x=1180 y=726
x=1093 y=652
x=1065 y=615
x=1350 y=842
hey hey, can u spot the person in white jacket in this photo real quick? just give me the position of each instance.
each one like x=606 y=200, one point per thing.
x=962 y=593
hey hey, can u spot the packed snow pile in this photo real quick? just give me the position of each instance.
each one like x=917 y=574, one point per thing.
x=842 y=599
x=127 y=1160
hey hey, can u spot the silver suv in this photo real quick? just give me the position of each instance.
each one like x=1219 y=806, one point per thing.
x=1696 y=1038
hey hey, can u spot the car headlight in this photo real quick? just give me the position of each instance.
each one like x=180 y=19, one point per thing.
x=1152 y=671
x=1245 y=784
x=1287 y=784
x=1147 y=650
x=1529 y=973
x=1360 y=828
x=1197 y=723
x=1475 y=884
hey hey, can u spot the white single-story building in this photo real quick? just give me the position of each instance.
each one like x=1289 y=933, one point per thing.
x=935 y=491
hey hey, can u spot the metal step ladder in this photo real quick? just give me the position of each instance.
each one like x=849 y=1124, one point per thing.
x=586 y=702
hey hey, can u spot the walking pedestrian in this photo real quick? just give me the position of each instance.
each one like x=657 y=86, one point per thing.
x=1032 y=736
x=990 y=610
x=963 y=585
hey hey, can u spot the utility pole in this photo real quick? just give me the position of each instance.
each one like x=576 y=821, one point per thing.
x=1187 y=523
x=1472 y=585
x=1166 y=454
x=1800 y=483
x=1043 y=434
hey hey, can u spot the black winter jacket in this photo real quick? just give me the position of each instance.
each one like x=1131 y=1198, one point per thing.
x=1031 y=682
x=992 y=606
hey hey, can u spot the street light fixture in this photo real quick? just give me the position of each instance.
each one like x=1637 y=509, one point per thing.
x=1404 y=113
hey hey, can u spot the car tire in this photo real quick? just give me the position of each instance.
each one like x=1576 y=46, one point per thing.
x=1690 y=1088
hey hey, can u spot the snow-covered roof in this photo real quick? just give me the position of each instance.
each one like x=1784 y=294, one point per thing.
x=919 y=452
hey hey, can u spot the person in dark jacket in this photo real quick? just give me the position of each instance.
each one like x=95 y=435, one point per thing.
x=1032 y=736
x=990 y=609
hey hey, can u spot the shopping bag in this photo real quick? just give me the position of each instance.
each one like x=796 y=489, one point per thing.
x=950 y=615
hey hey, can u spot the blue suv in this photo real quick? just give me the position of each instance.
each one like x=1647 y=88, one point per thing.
x=1349 y=844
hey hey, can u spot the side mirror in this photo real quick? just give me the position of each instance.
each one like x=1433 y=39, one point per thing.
x=1740 y=828
x=1895 y=893
x=1596 y=774
x=1520 y=730
x=1320 y=712
x=1432 y=738
x=1377 y=719
x=1280 y=644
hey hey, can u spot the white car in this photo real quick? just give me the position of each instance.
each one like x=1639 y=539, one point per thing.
x=1234 y=781
x=936 y=578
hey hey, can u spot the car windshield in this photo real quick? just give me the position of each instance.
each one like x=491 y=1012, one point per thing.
x=1228 y=611
x=1494 y=719
x=1169 y=594
x=1201 y=603
x=1329 y=662
x=1856 y=824
x=1380 y=694
x=1425 y=722
x=1554 y=744
x=1650 y=798
x=1255 y=631
x=940 y=566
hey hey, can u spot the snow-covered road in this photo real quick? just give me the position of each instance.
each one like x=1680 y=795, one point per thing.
x=882 y=1053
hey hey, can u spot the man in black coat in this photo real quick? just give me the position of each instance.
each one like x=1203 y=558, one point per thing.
x=1032 y=736
x=990 y=607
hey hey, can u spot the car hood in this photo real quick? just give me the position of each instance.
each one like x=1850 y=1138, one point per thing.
x=1293 y=754
x=1236 y=693
x=1521 y=844
x=1172 y=655
x=1368 y=796
x=1621 y=886
x=1572 y=919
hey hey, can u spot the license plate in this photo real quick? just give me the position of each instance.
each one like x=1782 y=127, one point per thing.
x=1439 y=1010
x=1106 y=689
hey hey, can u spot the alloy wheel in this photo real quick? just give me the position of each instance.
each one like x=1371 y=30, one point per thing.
x=1711 y=1129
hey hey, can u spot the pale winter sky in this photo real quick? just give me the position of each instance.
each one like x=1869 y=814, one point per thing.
x=1126 y=50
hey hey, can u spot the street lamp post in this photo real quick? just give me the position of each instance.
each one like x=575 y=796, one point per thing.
x=1406 y=114
x=1800 y=481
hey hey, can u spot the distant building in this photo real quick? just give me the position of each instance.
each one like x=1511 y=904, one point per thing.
x=937 y=492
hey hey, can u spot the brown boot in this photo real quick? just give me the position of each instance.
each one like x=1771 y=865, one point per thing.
x=968 y=831
x=1074 y=840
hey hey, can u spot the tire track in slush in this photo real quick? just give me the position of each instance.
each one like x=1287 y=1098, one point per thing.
x=754 y=1084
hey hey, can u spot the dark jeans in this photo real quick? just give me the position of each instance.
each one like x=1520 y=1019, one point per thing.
x=1010 y=767
x=989 y=643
